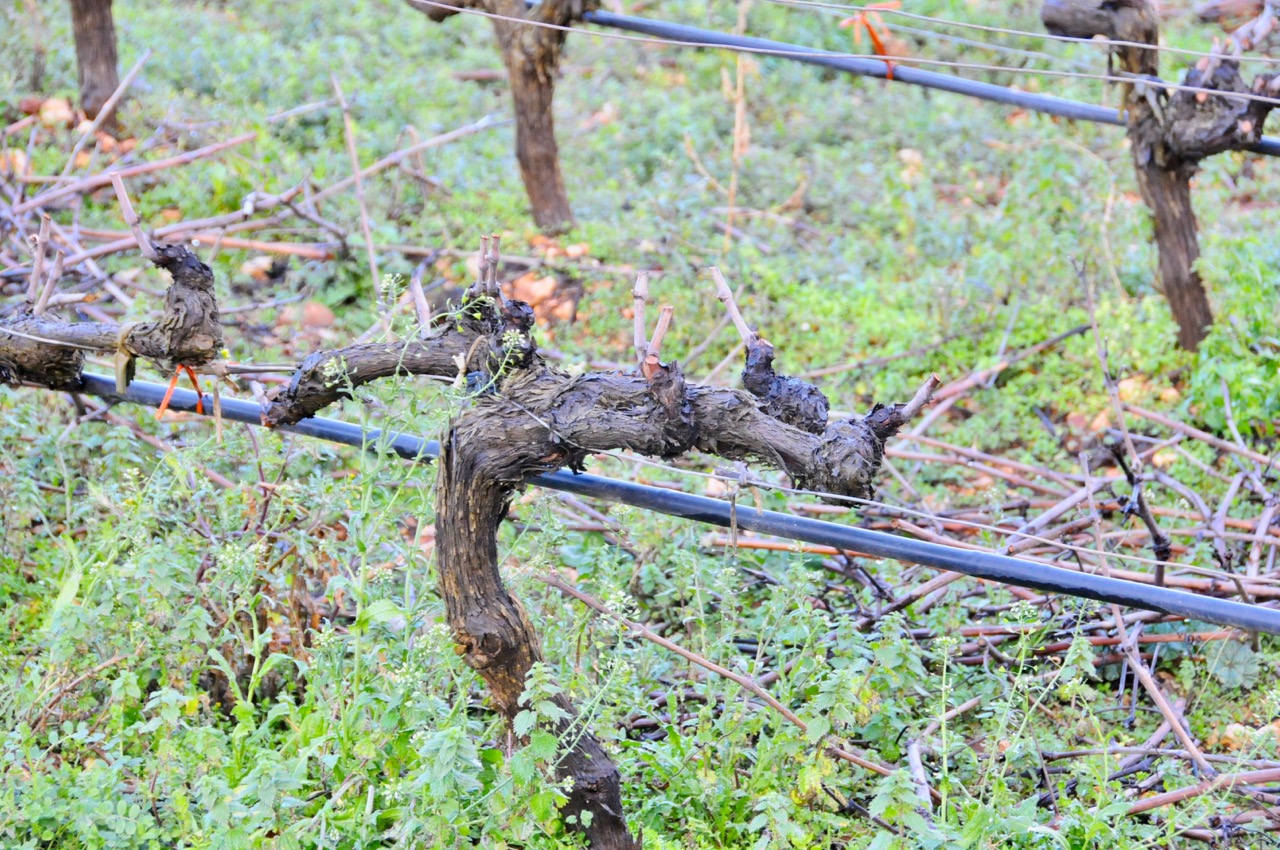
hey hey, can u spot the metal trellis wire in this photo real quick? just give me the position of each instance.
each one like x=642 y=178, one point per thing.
x=866 y=67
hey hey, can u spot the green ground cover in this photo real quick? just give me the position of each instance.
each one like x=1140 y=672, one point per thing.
x=266 y=665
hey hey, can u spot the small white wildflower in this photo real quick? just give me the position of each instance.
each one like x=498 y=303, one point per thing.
x=390 y=283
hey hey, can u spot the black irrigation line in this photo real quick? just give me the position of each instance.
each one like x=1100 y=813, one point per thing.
x=878 y=544
x=864 y=67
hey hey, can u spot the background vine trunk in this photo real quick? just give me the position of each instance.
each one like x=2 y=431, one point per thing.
x=95 y=35
x=531 y=40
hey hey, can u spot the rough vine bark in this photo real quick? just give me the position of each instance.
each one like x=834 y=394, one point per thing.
x=531 y=47
x=524 y=418
x=95 y=35
x=1169 y=135
x=38 y=348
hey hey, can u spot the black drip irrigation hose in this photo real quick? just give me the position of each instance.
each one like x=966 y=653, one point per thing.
x=865 y=67
x=987 y=565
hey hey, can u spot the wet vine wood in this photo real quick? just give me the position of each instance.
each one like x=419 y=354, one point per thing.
x=524 y=418
x=1170 y=135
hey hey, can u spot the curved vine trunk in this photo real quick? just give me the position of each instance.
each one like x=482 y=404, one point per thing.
x=493 y=633
x=1169 y=136
x=188 y=331
x=526 y=418
x=532 y=419
x=95 y=35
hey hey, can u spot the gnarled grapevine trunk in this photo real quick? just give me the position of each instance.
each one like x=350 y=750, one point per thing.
x=1169 y=136
x=475 y=486
x=95 y=35
x=187 y=332
x=526 y=418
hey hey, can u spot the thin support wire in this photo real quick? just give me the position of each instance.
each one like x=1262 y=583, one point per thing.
x=1106 y=44
x=662 y=33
